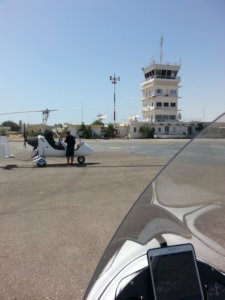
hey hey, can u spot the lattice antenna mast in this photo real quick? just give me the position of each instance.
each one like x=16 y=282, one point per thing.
x=161 y=49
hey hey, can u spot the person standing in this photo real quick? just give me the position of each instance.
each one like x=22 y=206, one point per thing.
x=70 y=141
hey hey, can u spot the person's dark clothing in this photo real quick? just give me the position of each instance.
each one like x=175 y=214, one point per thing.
x=70 y=140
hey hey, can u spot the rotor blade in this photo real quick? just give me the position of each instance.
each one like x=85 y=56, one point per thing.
x=48 y=110
x=20 y=112
x=27 y=111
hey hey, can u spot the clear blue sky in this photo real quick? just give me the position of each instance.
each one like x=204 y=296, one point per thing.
x=59 y=54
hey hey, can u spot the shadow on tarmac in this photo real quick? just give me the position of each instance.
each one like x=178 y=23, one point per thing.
x=13 y=166
x=9 y=167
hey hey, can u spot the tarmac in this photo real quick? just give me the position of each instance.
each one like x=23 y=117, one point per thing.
x=57 y=221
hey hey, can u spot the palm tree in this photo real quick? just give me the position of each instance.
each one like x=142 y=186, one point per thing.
x=143 y=130
x=147 y=132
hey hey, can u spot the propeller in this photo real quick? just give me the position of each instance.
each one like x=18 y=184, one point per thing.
x=24 y=136
x=32 y=141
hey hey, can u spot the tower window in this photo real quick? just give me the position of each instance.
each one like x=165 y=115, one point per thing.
x=173 y=92
x=159 y=104
x=163 y=73
x=158 y=91
x=173 y=104
x=173 y=74
x=166 y=104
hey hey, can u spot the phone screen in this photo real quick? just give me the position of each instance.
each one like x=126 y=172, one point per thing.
x=175 y=276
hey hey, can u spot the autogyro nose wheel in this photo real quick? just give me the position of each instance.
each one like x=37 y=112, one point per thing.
x=81 y=160
x=41 y=162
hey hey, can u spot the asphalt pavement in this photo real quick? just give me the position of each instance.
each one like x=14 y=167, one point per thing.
x=57 y=221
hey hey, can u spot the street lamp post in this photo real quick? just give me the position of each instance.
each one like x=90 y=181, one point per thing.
x=114 y=80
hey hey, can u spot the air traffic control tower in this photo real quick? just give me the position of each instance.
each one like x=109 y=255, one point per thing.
x=160 y=92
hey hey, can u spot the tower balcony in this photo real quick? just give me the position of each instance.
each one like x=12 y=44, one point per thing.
x=151 y=108
x=148 y=108
x=163 y=77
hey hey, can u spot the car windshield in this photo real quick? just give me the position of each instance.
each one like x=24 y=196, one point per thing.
x=184 y=203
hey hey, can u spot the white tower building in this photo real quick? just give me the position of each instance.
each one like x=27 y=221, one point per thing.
x=160 y=103
x=160 y=93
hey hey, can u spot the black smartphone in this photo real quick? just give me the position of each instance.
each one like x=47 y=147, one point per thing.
x=174 y=273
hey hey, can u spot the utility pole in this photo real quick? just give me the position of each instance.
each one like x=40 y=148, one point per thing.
x=114 y=80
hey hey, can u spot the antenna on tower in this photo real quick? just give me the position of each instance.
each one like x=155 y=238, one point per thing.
x=161 y=49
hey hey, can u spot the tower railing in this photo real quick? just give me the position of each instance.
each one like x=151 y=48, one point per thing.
x=163 y=77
